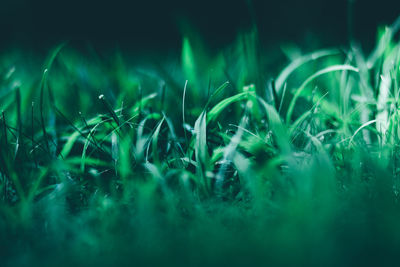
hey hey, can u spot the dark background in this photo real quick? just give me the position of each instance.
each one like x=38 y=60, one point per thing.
x=154 y=24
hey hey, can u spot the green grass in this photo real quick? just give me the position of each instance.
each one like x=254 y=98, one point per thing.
x=206 y=162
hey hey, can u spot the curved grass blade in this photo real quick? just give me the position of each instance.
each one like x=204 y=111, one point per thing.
x=286 y=72
x=360 y=128
x=218 y=108
x=300 y=90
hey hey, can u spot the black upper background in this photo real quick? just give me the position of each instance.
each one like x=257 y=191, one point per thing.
x=154 y=24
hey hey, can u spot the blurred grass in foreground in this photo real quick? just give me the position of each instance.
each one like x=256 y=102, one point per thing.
x=203 y=163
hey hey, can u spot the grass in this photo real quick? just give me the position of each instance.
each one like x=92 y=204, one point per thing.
x=206 y=162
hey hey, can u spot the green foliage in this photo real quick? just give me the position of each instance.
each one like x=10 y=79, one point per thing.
x=209 y=164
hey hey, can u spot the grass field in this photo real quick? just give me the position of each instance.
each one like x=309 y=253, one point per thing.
x=212 y=159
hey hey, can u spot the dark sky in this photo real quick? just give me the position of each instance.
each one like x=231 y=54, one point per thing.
x=151 y=23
